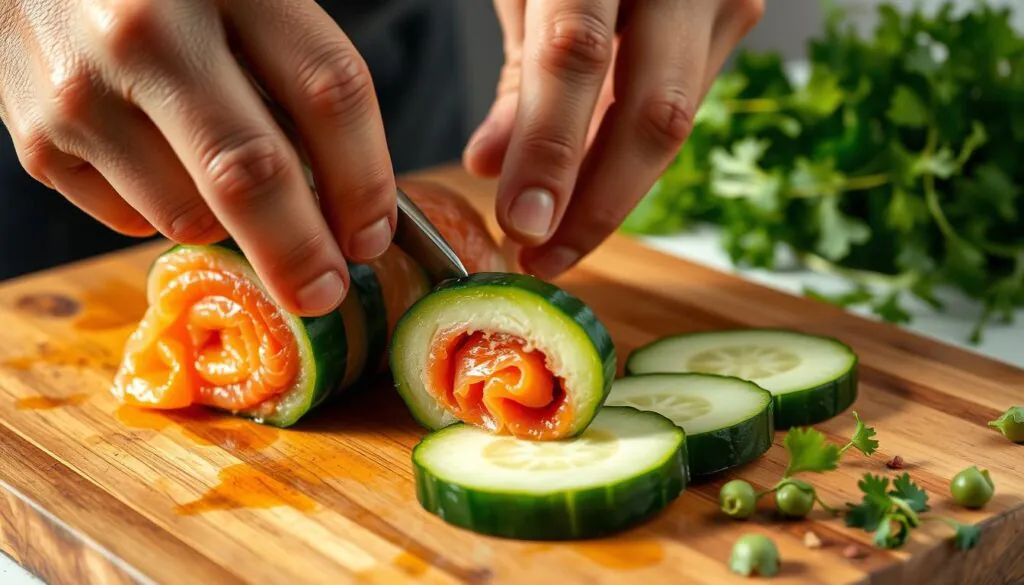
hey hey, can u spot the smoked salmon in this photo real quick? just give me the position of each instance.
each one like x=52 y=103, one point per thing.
x=505 y=352
x=212 y=336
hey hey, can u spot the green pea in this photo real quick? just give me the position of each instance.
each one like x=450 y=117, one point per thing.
x=972 y=488
x=737 y=499
x=1011 y=424
x=795 y=498
x=754 y=553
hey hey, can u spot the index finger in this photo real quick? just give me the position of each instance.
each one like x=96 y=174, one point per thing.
x=245 y=169
x=567 y=51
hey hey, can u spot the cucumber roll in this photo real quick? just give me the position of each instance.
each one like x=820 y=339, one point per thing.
x=728 y=421
x=212 y=336
x=506 y=352
x=626 y=467
x=811 y=378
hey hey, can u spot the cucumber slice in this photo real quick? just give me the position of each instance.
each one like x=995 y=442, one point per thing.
x=575 y=348
x=728 y=421
x=812 y=378
x=322 y=341
x=626 y=467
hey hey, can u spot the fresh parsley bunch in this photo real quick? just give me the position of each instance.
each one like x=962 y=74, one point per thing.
x=896 y=165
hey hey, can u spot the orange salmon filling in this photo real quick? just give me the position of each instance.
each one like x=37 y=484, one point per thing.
x=210 y=337
x=493 y=381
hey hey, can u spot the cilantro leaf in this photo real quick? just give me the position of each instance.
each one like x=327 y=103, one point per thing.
x=892 y=532
x=888 y=513
x=896 y=162
x=909 y=492
x=863 y=438
x=889 y=309
x=809 y=450
x=838 y=232
x=874 y=506
x=907 y=109
x=967 y=536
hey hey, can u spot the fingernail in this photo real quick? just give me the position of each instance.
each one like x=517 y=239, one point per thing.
x=531 y=212
x=372 y=241
x=553 y=262
x=322 y=294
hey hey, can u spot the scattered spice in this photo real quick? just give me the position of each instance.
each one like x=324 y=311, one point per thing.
x=811 y=540
x=895 y=463
x=853 y=552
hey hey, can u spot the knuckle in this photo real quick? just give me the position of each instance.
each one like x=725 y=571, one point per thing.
x=192 y=225
x=579 y=43
x=37 y=153
x=371 y=194
x=666 y=120
x=307 y=252
x=124 y=28
x=603 y=219
x=245 y=171
x=335 y=82
x=555 y=150
x=73 y=91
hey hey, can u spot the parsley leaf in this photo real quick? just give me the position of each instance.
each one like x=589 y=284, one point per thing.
x=809 y=450
x=888 y=513
x=874 y=506
x=908 y=492
x=863 y=438
x=967 y=535
x=907 y=109
x=895 y=162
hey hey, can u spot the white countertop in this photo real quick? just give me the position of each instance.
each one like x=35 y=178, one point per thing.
x=1005 y=343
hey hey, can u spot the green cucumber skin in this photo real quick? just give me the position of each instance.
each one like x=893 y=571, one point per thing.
x=327 y=339
x=550 y=294
x=716 y=451
x=800 y=408
x=371 y=297
x=576 y=515
x=818 y=404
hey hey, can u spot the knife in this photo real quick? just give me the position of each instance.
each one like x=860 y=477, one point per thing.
x=414 y=233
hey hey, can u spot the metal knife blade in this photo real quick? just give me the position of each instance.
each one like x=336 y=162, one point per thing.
x=418 y=238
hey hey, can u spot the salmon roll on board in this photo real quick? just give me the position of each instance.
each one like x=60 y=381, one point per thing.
x=505 y=352
x=213 y=336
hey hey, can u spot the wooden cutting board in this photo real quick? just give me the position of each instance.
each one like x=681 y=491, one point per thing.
x=90 y=493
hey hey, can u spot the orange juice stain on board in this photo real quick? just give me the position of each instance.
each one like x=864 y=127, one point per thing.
x=47 y=354
x=621 y=554
x=242 y=487
x=202 y=427
x=411 y=564
x=49 y=402
x=112 y=305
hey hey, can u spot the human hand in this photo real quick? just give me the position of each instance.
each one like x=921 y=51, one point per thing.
x=139 y=113
x=573 y=160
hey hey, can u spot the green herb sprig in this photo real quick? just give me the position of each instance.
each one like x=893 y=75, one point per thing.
x=891 y=513
x=895 y=166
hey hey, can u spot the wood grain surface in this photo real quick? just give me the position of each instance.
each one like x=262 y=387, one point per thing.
x=90 y=493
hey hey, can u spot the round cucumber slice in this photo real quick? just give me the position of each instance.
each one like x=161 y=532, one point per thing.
x=812 y=378
x=728 y=421
x=627 y=466
x=546 y=325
